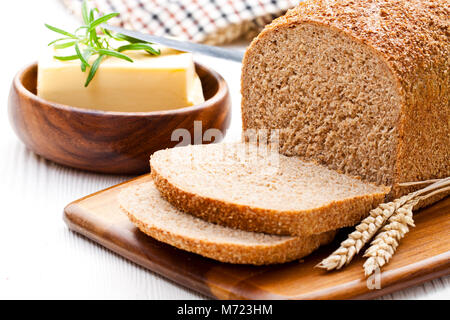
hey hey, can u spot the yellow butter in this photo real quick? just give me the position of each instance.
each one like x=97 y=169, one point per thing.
x=150 y=83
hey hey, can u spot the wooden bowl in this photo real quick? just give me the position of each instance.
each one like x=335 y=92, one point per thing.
x=109 y=142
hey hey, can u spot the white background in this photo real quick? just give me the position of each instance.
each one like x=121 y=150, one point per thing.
x=39 y=256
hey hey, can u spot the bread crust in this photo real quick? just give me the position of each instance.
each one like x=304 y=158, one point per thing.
x=282 y=251
x=297 y=223
x=412 y=40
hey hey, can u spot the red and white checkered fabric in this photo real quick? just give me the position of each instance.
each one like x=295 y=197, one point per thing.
x=209 y=21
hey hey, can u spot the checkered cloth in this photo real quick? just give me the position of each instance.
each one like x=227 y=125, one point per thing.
x=207 y=21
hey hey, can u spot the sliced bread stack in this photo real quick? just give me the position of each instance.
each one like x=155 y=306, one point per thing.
x=351 y=88
x=159 y=219
x=238 y=204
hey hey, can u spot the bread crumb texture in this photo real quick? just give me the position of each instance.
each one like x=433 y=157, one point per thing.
x=239 y=186
x=361 y=86
x=157 y=218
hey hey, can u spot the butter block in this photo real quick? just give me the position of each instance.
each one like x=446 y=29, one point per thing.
x=150 y=83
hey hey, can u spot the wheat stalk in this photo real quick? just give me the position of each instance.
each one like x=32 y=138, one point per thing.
x=363 y=233
x=370 y=226
x=416 y=183
x=386 y=242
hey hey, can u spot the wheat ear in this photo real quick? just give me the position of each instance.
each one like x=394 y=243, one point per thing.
x=386 y=242
x=363 y=233
x=370 y=226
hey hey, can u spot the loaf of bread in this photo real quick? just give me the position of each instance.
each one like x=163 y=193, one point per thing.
x=251 y=188
x=158 y=219
x=350 y=88
x=361 y=86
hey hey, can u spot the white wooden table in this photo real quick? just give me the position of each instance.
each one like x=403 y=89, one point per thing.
x=39 y=256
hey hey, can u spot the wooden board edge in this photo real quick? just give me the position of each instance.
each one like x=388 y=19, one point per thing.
x=70 y=217
x=106 y=189
x=407 y=276
x=398 y=279
x=414 y=274
x=419 y=278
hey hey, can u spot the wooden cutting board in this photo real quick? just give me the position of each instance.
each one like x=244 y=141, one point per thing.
x=424 y=254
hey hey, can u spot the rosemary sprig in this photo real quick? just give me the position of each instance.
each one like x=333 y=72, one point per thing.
x=91 y=39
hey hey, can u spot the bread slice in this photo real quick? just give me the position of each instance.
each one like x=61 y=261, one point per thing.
x=243 y=186
x=160 y=220
x=360 y=86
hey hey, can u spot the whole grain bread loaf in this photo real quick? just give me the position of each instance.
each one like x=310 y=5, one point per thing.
x=253 y=188
x=158 y=219
x=361 y=86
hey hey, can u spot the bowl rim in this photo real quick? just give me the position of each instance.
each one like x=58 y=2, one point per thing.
x=222 y=92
